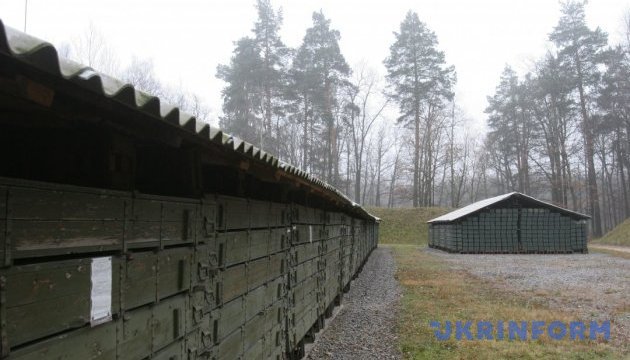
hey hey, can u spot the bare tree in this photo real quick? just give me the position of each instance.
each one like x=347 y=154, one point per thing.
x=362 y=114
x=91 y=49
x=140 y=73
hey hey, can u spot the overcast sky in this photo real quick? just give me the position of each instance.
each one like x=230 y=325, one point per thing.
x=187 y=39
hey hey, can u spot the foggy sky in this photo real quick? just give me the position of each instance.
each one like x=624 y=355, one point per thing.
x=188 y=39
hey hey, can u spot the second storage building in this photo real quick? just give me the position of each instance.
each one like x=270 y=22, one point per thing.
x=510 y=223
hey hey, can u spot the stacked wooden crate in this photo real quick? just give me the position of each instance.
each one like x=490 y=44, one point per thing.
x=498 y=231
x=99 y=274
x=253 y=244
x=511 y=230
x=69 y=291
x=331 y=262
x=347 y=246
x=307 y=238
x=547 y=232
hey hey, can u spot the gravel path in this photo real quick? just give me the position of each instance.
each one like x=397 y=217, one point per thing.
x=592 y=286
x=364 y=328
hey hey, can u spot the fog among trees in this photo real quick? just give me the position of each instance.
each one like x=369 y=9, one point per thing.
x=560 y=131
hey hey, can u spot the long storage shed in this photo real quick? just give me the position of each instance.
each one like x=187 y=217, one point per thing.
x=131 y=230
x=510 y=223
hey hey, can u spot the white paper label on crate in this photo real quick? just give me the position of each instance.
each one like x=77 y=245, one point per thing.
x=101 y=296
x=310 y=233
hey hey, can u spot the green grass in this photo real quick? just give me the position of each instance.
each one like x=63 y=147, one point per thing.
x=620 y=235
x=434 y=291
x=405 y=225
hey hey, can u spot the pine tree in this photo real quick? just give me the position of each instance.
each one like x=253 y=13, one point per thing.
x=421 y=83
x=555 y=114
x=511 y=124
x=241 y=96
x=614 y=101
x=256 y=81
x=580 y=51
x=272 y=73
x=319 y=70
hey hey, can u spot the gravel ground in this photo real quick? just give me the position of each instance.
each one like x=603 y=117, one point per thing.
x=364 y=328
x=592 y=286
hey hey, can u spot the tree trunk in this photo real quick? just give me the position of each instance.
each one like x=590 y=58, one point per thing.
x=416 y=154
x=593 y=196
x=377 y=200
x=622 y=176
x=392 y=183
x=305 y=142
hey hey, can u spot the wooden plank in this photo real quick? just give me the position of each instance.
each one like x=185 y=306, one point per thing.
x=61 y=236
x=198 y=314
x=147 y=209
x=277 y=265
x=143 y=234
x=236 y=246
x=5 y=236
x=139 y=285
x=234 y=282
x=178 y=224
x=98 y=343
x=257 y=272
x=202 y=337
x=255 y=351
x=274 y=315
x=4 y=247
x=232 y=317
x=168 y=321
x=259 y=212
x=175 y=351
x=274 y=343
x=47 y=298
x=278 y=240
x=278 y=215
x=231 y=347
x=253 y=333
x=255 y=302
x=3 y=202
x=275 y=290
x=136 y=333
x=53 y=204
x=306 y=251
x=208 y=220
x=306 y=270
x=234 y=213
x=259 y=243
x=203 y=273
x=155 y=219
x=174 y=275
x=174 y=210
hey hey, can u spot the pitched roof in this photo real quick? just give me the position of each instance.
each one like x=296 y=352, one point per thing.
x=43 y=56
x=480 y=205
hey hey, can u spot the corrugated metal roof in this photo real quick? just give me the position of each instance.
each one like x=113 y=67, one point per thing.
x=43 y=56
x=480 y=205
